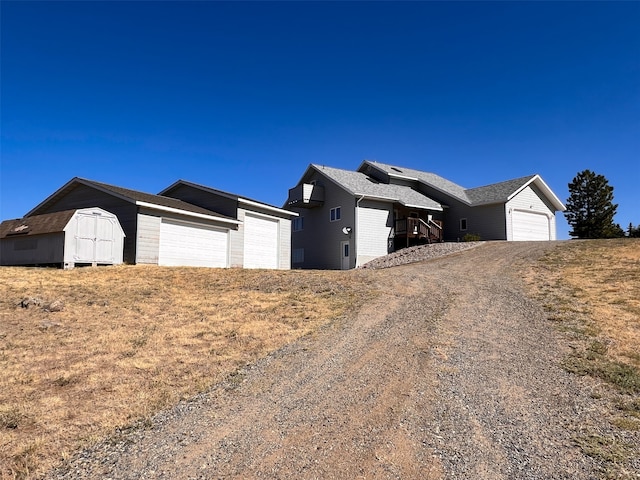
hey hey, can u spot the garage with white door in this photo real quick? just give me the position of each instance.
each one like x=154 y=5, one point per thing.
x=528 y=225
x=194 y=245
x=261 y=241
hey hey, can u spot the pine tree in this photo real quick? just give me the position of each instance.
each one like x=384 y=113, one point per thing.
x=590 y=207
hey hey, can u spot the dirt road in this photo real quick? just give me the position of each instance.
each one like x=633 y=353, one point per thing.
x=452 y=373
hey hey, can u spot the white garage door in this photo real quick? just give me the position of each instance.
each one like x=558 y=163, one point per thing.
x=374 y=226
x=260 y=242
x=191 y=245
x=530 y=226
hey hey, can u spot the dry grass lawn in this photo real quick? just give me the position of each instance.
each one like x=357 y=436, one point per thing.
x=132 y=340
x=591 y=290
x=593 y=286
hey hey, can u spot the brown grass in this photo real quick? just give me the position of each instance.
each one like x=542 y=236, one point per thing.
x=597 y=282
x=591 y=290
x=130 y=341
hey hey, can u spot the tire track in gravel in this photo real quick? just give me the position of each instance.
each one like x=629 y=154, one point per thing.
x=450 y=374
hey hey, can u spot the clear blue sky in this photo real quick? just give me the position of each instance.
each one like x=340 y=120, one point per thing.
x=243 y=96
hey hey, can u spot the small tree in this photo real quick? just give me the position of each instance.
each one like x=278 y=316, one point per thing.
x=633 y=232
x=590 y=207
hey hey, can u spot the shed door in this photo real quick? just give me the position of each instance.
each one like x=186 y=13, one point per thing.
x=105 y=236
x=530 y=226
x=192 y=245
x=85 y=238
x=94 y=238
x=260 y=242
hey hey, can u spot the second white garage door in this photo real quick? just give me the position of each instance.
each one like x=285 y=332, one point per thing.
x=191 y=245
x=260 y=242
x=530 y=226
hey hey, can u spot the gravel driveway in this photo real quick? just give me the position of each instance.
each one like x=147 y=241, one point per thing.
x=452 y=373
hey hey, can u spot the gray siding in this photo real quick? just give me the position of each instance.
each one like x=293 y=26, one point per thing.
x=33 y=250
x=320 y=237
x=148 y=237
x=285 y=244
x=82 y=196
x=196 y=196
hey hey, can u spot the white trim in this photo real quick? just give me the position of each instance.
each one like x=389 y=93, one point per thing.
x=334 y=212
x=266 y=207
x=187 y=213
x=537 y=179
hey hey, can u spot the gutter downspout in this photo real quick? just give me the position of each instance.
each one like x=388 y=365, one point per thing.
x=357 y=227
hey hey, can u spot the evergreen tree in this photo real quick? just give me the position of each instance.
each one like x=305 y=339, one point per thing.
x=590 y=207
x=633 y=232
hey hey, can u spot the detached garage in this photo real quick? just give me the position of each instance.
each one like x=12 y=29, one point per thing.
x=263 y=237
x=159 y=230
x=89 y=236
x=194 y=245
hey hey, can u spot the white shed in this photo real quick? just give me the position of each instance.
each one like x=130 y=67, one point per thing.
x=87 y=236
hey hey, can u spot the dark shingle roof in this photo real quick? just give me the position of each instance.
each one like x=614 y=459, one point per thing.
x=36 y=225
x=494 y=193
x=358 y=183
x=431 y=179
x=137 y=196
x=132 y=196
x=497 y=192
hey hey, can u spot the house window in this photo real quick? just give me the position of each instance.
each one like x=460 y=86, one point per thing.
x=335 y=214
x=297 y=224
x=297 y=255
x=463 y=224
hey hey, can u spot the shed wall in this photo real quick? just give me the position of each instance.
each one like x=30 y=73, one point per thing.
x=32 y=250
x=82 y=196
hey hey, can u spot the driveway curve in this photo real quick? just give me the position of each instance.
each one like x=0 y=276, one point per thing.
x=452 y=372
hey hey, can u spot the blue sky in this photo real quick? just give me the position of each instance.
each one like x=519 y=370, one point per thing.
x=243 y=96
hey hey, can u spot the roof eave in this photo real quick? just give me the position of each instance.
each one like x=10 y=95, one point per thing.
x=537 y=179
x=162 y=208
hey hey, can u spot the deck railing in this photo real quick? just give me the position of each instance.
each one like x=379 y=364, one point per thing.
x=417 y=228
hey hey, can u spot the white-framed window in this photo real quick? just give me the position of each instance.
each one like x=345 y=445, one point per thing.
x=297 y=255
x=463 y=224
x=297 y=224
x=335 y=214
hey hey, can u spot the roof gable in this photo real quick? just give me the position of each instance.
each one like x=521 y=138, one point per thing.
x=430 y=179
x=134 y=197
x=499 y=192
x=358 y=184
x=231 y=196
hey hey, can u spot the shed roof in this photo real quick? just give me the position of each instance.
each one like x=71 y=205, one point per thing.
x=359 y=184
x=136 y=197
x=36 y=225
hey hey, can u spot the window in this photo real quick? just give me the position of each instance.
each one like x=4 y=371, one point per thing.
x=345 y=249
x=297 y=224
x=335 y=214
x=297 y=255
x=463 y=224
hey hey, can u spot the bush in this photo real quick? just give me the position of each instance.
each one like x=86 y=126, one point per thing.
x=471 y=237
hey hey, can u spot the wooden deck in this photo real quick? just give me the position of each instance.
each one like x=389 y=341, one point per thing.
x=416 y=230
